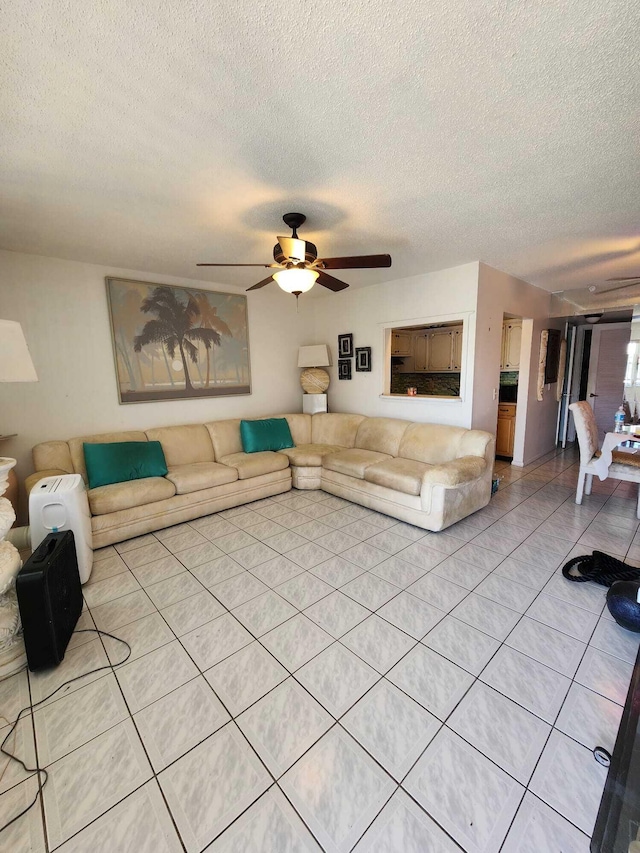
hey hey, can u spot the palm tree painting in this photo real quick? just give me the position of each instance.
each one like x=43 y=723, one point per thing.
x=200 y=337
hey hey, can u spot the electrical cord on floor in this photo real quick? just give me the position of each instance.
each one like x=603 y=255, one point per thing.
x=37 y=768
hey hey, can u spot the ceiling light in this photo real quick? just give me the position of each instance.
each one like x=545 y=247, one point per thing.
x=593 y=318
x=295 y=279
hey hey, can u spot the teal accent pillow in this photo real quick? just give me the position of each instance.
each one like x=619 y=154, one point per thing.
x=265 y=434
x=123 y=460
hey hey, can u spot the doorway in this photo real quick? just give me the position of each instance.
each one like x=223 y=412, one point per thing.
x=607 y=369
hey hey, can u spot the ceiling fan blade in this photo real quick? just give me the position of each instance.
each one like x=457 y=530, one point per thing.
x=237 y=265
x=292 y=249
x=628 y=278
x=361 y=262
x=331 y=282
x=634 y=283
x=260 y=284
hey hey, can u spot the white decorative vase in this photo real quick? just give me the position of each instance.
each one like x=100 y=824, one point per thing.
x=12 y=652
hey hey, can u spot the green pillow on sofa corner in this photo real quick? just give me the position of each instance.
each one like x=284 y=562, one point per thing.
x=121 y=461
x=265 y=434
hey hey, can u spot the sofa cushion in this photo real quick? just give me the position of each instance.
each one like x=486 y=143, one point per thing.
x=184 y=444
x=200 y=475
x=265 y=434
x=53 y=455
x=76 y=446
x=457 y=471
x=310 y=454
x=381 y=435
x=134 y=493
x=225 y=437
x=403 y=475
x=120 y=461
x=254 y=464
x=432 y=443
x=300 y=426
x=353 y=462
x=330 y=428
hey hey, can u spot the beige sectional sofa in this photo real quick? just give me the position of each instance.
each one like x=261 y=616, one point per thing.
x=430 y=475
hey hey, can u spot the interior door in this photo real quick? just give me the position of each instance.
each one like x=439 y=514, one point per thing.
x=605 y=387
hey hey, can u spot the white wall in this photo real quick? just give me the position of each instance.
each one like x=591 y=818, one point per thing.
x=447 y=294
x=62 y=306
x=500 y=293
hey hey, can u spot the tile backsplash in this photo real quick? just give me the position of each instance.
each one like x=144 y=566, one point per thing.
x=509 y=377
x=431 y=384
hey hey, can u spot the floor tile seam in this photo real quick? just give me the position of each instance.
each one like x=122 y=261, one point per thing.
x=118 y=595
x=124 y=625
x=434 y=819
x=151 y=769
x=523 y=785
x=102 y=814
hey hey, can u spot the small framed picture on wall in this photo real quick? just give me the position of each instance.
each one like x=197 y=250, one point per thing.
x=363 y=359
x=345 y=346
x=344 y=368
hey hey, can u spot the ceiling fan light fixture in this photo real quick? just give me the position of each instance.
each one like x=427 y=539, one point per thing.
x=593 y=318
x=295 y=280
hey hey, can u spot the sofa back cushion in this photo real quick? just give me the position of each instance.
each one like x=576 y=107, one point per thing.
x=300 y=426
x=121 y=461
x=51 y=455
x=383 y=435
x=431 y=443
x=225 y=437
x=330 y=428
x=76 y=446
x=185 y=444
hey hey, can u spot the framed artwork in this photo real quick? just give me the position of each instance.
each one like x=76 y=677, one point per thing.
x=177 y=343
x=363 y=359
x=344 y=368
x=345 y=346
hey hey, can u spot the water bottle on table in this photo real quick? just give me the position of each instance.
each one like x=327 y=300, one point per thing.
x=619 y=420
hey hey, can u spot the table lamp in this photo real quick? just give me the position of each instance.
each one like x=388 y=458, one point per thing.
x=313 y=379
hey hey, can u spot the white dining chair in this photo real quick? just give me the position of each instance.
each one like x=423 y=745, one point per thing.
x=623 y=467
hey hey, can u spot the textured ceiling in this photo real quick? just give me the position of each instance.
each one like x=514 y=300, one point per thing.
x=152 y=135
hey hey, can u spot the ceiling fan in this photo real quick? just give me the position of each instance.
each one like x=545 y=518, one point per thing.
x=298 y=265
x=632 y=279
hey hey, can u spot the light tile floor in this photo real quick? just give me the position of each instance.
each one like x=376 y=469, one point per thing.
x=307 y=674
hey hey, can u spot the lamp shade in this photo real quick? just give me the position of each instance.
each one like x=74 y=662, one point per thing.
x=317 y=355
x=15 y=359
x=296 y=280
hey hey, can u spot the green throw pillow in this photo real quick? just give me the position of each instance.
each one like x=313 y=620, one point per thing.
x=120 y=461
x=265 y=434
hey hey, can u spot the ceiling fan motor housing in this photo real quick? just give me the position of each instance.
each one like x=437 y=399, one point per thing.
x=310 y=253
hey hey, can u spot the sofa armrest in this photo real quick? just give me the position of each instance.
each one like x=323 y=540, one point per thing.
x=477 y=442
x=32 y=479
x=453 y=473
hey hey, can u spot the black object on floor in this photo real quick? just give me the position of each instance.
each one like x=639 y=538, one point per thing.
x=50 y=599
x=619 y=814
x=599 y=568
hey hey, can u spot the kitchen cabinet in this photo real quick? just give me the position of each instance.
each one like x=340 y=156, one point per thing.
x=456 y=352
x=506 y=429
x=511 y=343
x=420 y=347
x=401 y=343
x=439 y=350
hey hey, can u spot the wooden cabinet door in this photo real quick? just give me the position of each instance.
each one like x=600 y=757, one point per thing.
x=456 y=351
x=439 y=351
x=502 y=436
x=512 y=341
x=420 y=347
x=401 y=343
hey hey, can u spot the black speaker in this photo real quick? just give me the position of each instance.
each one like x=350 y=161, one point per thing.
x=50 y=599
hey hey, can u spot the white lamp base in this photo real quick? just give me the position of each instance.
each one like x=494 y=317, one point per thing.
x=12 y=651
x=314 y=403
